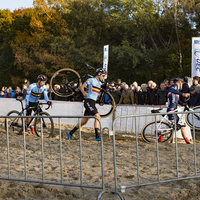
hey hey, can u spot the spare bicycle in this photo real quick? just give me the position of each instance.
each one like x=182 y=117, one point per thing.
x=70 y=81
x=15 y=122
x=164 y=127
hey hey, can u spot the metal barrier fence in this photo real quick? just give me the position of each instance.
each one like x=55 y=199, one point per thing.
x=155 y=157
x=136 y=161
x=44 y=160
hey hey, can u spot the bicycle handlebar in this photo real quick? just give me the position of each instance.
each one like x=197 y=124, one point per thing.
x=45 y=104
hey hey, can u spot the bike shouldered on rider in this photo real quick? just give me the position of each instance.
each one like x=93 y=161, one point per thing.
x=34 y=92
x=94 y=86
x=173 y=98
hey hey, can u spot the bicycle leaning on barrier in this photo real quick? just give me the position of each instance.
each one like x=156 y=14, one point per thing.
x=154 y=129
x=71 y=81
x=15 y=121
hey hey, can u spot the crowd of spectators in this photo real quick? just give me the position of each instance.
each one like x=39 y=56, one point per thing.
x=145 y=94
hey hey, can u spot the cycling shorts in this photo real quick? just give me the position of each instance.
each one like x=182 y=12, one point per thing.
x=90 y=108
x=32 y=104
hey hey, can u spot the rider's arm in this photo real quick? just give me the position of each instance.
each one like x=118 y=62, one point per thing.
x=172 y=90
x=28 y=94
x=82 y=89
x=46 y=94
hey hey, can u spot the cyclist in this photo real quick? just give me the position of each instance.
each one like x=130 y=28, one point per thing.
x=94 y=86
x=173 y=101
x=33 y=95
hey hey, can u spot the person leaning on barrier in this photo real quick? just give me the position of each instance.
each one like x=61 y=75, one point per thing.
x=114 y=92
x=194 y=98
x=94 y=87
x=33 y=95
x=127 y=96
x=162 y=95
x=143 y=95
x=173 y=101
x=196 y=83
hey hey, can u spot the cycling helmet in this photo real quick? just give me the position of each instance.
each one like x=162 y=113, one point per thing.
x=101 y=70
x=42 y=77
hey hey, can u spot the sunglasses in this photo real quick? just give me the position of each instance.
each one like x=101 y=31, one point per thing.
x=103 y=75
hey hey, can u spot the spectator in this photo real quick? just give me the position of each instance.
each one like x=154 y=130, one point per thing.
x=137 y=91
x=162 y=95
x=119 y=82
x=2 y=94
x=153 y=94
x=143 y=97
x=24 y=90
x=18 y=94
x=185 y=88
x=127 y=96
x=11 y=93
x=194 y=98
x=149 y=84
x=26 y=82
x=115 y=93
x=196 y=83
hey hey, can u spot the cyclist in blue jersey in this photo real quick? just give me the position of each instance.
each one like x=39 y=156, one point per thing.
x=94 y=87
x=33 y=95
x=173 y=101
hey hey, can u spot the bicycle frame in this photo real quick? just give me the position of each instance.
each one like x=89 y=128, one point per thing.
x=165 y=119
x=37 y=112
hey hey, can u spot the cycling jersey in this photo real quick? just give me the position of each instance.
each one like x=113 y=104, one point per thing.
x=94 y=87
x=173 y=101
x=173 y=97
x=34 y=93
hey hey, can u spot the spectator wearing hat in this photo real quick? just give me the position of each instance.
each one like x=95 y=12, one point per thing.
x=11 y=93
x=196 y=83
x=143 y=96
x=194 y=98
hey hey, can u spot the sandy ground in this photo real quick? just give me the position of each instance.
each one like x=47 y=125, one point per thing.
x=126 y=161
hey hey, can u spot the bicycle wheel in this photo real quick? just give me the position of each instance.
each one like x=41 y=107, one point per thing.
x=68 y=79
x=163 y=128
x=105 y=109
x=47 y=125
x=189 y=118
x=15 y=124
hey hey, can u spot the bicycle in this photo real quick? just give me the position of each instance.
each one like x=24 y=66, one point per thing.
x=70 y=80
x=166 y=128
x=15 y=124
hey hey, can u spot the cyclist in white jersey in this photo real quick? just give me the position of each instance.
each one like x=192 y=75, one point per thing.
x=94 y=87
x=33 y=95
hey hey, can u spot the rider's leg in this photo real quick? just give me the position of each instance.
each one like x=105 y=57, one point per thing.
x=96 y=125
x=84 y=121
x=183 y=132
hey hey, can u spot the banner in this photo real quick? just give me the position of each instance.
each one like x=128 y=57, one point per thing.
x=105 y=58
x=195 y=57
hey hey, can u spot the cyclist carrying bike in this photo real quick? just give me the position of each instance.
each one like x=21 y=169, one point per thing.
x=33 y=95
x=94 y=86
x=173 y=101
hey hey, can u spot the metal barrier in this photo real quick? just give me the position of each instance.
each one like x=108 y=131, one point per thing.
x=156 y=158
x=64 y=167
x=44 y=180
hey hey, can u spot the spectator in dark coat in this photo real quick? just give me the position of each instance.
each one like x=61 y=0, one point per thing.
x=143 y=96
x=185 y=88
x=152 y=94
x=194 y=98
x=162 y=95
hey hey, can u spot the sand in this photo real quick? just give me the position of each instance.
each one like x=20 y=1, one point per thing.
x=91 y=167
